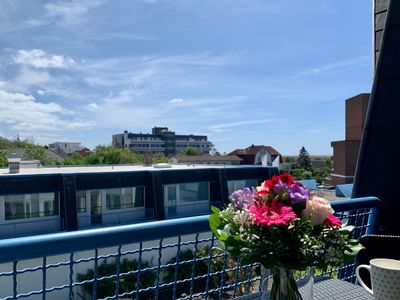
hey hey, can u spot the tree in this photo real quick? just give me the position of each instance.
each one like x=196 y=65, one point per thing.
x=304 y=160
x=112 y=155
x=3 y=159
x=191 y=151
x=159 y=158
x=75 y=159
x=36 y=152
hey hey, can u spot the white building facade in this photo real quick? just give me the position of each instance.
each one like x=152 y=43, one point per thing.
x=161 y=140
x=67 y=147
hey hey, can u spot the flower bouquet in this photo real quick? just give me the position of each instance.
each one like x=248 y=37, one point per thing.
x=284 y=228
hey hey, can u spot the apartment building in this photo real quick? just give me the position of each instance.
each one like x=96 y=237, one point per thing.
x=161 y=140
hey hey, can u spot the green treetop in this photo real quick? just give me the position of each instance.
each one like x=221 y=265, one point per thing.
x=304 y=160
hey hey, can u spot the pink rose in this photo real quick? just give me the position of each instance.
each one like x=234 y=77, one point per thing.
x=317 y=210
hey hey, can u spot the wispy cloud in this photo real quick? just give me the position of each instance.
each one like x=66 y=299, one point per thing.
x=71 y=12
x=40 y=59
x=221 y=127
x=176 y=100
x=340 y=66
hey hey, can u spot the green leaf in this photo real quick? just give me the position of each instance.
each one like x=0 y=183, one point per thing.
x=215 y=210
x=234 y=241
x=215 y=223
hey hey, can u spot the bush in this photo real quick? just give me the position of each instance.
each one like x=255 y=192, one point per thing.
x=106 y=287
x=184 y=271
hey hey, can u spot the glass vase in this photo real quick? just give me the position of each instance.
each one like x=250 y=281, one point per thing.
x=285 y=284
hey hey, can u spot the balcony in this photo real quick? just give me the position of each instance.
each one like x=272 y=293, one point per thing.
x=171 y=259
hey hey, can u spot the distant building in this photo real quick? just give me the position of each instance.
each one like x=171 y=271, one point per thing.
x=318 y=163
x=345 y=153
x=66 y=147
x=207 y=159
x=58 y=156
x=161 y=140
x=84 y=151
x=257 y=154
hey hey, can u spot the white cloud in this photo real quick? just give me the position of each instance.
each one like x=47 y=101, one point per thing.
x=40 y=59
x=23 y=114
x=176 y=100
x=91 y=106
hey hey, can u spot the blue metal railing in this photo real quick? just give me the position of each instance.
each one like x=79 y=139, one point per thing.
x=154 y=260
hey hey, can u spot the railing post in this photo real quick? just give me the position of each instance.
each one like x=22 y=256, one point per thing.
x=68 y=209
x=156 y=190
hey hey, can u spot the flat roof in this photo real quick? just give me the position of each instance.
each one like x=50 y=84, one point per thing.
x=112 y=168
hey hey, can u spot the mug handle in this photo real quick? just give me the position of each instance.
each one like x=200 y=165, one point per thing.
x=359 y=278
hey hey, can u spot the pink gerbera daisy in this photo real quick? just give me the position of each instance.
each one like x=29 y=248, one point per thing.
x=332 y=221
x=274 y=213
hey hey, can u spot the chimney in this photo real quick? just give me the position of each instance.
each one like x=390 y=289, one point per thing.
x=13 y=162
x=147 y=159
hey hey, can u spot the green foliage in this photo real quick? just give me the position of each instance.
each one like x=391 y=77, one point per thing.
x=289 y=159
x=105 y=155
x=75 y=159
x=37 y=152
x=200 y=267
x=298 y=173
x=31 y=151
x=307 y=174
x=101 y=155
x=328 y=163
x=109 y=155
x=159 y=158
x=304 y=160
x=191 y=152
x=3 y=159
x=106 y=288
x=318 y=174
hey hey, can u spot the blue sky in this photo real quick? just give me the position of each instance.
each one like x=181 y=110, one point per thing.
x=242 y=72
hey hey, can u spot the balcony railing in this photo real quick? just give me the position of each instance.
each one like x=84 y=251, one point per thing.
x=173 y=259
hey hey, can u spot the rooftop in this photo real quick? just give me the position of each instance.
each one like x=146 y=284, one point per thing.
x=107 y=169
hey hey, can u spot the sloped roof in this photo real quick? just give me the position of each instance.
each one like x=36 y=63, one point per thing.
x=55 y=155
x=254 y=149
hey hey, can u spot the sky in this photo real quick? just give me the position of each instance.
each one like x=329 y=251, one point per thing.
x=241 y=72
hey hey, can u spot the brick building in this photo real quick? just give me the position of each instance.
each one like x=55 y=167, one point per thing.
x=345 y=153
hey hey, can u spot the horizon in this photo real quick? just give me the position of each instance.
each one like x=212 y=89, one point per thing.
x=242 y=73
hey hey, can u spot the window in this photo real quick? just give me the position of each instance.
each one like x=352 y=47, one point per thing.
x=125 y=198
x=30 y=206
x=81 y=201
x=191 y=192
x=234 y=185
x=171 y=192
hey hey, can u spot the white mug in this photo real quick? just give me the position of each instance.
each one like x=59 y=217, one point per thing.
x=385 y=278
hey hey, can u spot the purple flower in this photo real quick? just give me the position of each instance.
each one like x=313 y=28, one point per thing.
x=242 y=198
x=278 y=186
x=298 y=193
